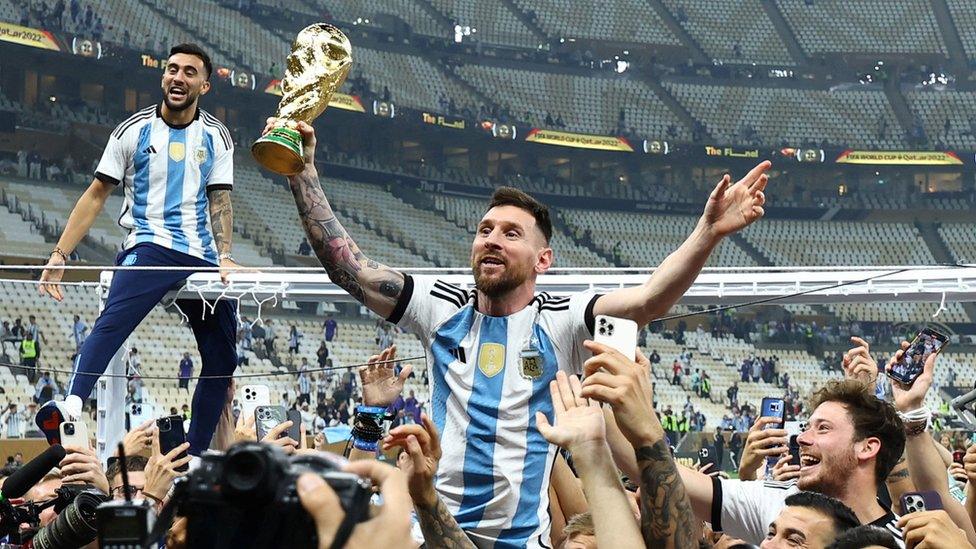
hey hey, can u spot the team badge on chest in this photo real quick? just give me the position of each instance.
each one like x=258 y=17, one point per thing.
x=530 y=364
x=200 y=155
x=491 y=358
x=177 y=151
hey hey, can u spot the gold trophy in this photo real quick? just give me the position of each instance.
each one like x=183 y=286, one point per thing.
x=318 y=64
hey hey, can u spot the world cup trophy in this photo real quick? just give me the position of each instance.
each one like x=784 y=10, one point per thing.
x=318 y=64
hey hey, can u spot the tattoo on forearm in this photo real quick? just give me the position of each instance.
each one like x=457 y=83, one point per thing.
x=342 y=259
x=439 y=527
x=900 y=474
x=666 y=515
x=222 y=220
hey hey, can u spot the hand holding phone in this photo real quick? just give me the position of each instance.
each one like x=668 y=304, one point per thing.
x=171 y=434
x=267 y=418
x=616 y=333
x=911 y=364
x=920 y=501
x=75 y=433
x=252 y=396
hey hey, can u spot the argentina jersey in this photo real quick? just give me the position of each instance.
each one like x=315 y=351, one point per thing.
x=489 y=376
x=166 y=172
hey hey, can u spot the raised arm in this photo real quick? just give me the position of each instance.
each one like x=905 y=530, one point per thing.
x=222 y=221
x=729 y=209
x=376 y=286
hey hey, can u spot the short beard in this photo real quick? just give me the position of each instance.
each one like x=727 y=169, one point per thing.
x=498 y=287
x=190 y=101
x=833 y=479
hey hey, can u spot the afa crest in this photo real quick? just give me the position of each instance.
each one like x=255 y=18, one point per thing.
x=177 y=152
x=491 y=358
x=200 y=155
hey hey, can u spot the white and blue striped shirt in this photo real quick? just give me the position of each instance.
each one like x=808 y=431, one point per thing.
x=494 y=471
x=166 y=172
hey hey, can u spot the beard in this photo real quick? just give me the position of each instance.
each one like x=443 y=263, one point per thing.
x=187 y=102
x=833 y=474
x=498 y=285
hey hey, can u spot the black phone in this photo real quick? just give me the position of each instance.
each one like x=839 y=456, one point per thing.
x=267 y=418
x=912 y=362
x=171 y=435
x=705 y=457
x=295 y=431
x=794 y=451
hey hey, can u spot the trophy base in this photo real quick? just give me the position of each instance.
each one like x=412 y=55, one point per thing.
x=280 y=151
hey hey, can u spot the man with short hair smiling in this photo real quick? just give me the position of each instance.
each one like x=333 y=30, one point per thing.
x=175 y=163
x=809 y=520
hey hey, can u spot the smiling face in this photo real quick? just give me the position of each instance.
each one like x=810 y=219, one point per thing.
x=829 y=454
x=508 y=251
x=184 y=81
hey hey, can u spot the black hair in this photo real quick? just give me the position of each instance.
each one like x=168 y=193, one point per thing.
x=842 y=516
x=132 y=464
x=193 y=49
x=865 y=536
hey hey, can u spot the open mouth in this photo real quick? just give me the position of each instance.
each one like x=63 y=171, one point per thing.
x=177 y=94
x=491 y=261
x=807 y=460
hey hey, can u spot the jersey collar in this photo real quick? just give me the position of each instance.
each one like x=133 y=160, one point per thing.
x=159 y=114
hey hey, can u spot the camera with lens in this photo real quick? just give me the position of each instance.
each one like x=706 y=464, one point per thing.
x=247 y=497
x=75 y=524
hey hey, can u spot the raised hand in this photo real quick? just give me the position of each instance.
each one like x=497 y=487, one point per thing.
x=911 y=397
x=761 y=443
x=308 y=135
x=783 y=471
x=140 y=438
x=625 y=385
x=423 y=453
x=82 y=466
x=734 y=207
x=579 y=421
x=380 y=386
x=161 y=470
x=858 y=362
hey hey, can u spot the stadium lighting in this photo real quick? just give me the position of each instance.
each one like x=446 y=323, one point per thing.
x=621 y=66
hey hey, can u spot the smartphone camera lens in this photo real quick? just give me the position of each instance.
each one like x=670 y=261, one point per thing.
x=603 y=322
x=69 y=428
x=603 y=330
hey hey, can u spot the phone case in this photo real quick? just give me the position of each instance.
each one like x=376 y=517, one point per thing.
x=252 y=396
x=295 y=431
x=75 y=433
x=171 y=435
x=705 y=457
x=617 y=333
x=773 y=407
x=267 y=418
x=794 y=451
x=793 y=428
x=920 y=501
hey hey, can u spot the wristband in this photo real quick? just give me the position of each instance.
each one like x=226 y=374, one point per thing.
x=916 y=421
x=59 y=251
x=371 y=410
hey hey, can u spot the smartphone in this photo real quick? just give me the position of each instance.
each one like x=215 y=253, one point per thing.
x=295 y=431
x=705 y=457
x=171 y=435
x=252 y=396
x=617 y=333
x=267 y=418
x=139 y=413
x=74 y=433
x=912 y=362
x=794 y=451
x=958 y=456
x=920 y=501
x=773 y=407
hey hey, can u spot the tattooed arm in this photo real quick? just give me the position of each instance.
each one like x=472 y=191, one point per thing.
x=221 y=219
x=439 y=527
x=667 y=519
x=376 y=286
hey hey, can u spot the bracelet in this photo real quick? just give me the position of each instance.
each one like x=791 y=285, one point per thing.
x=916 y=421
x=371 y=410
x=59 y=251
x=225 y=255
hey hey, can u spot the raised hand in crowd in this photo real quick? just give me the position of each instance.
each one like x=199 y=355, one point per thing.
x=858 y=363
x=580 y=429
x=925 y=465
x=245 y=429
x=932 y=530
x=161 y=471
x=624 y=384
x=784 y=471
x=422 y=453
x=380 y=385
x=140 y=438
x=762 y=443
x=82 y=466
x=389 y=527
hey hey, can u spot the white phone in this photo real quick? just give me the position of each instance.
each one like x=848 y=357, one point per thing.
x=141 y=412
x=252 y=396
x=75 y=433
x=618 y=333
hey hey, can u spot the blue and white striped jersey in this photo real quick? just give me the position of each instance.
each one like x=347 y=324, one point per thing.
x=166 y=172
x=489 y=375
